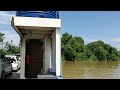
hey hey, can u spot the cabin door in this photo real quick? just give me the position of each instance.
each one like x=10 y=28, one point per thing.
x=33 y=58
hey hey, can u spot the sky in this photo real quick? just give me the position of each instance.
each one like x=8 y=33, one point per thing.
x=90 y=25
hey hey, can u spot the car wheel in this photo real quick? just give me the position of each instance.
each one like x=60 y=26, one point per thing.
x=3 y=75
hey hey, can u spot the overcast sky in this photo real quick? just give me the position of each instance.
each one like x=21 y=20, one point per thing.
x=90 y=25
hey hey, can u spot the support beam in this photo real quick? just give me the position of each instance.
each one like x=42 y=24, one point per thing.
x=53 y=52
x=37 y=31
x=22 y=71
x=37 y=22
x=58 y=52
x=47 y=53
x=16 y=29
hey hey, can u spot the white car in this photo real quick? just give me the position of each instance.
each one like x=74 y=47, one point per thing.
x=5 y=67
x=15 y=61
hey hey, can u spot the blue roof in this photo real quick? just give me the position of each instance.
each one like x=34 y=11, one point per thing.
x=41 y=14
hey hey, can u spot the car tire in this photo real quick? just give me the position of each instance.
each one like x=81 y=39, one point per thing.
x=3 y=75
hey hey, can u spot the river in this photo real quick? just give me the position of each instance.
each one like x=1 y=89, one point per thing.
x=91 y=69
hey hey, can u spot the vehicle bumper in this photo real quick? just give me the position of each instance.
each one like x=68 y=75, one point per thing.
x=14 y=67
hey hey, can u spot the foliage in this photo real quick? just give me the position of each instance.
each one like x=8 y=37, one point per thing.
x=73 y=48
x=8 y=48
x=1 y=37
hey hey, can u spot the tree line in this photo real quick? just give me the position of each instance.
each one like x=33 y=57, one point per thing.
x=8 y=48
x=74 y=49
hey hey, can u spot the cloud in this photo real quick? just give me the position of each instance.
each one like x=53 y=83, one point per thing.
x=5 y=16
x=116 y=45
x=11 y=35
x=116 y=40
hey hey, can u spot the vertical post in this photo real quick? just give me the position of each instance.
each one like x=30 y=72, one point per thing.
x=53 y=52
x=47 y=53
x=50 y=59
x=58 y=51
x=43 y=69
x=22 y=71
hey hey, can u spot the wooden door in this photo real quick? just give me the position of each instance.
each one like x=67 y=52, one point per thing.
x=34 y=58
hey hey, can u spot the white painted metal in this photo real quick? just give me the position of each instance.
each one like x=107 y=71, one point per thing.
x=47 y=53
x=37 y=22
x=46 y=29
x=22 y=71
x=58 y=52
x=53 y=52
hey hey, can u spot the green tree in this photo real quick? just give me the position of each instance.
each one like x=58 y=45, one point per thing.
x=8 y=48
x=1 y=37
x=1 y=40
x=15 y=49
x=11 y=49
x=93 y=57
x=101 y=53
x=2 y=51
x=73 y=48
x=80 y=40
x=66 y=37
x=81 y=57
x=69 y=53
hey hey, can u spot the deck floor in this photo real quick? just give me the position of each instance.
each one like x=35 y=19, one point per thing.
x=46 y=77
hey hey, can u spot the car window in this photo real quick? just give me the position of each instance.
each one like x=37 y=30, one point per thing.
x=8 y=59
x=3 y=58
x=12 y=60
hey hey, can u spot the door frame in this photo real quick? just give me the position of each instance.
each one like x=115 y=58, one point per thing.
x=43 y=39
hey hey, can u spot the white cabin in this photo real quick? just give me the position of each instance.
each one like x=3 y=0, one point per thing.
x=40 y=46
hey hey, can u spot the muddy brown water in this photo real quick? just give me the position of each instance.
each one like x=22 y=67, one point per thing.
x=91 y=69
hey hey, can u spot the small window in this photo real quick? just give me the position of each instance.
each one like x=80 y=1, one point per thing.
x=12 y=60
x=8 y=59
